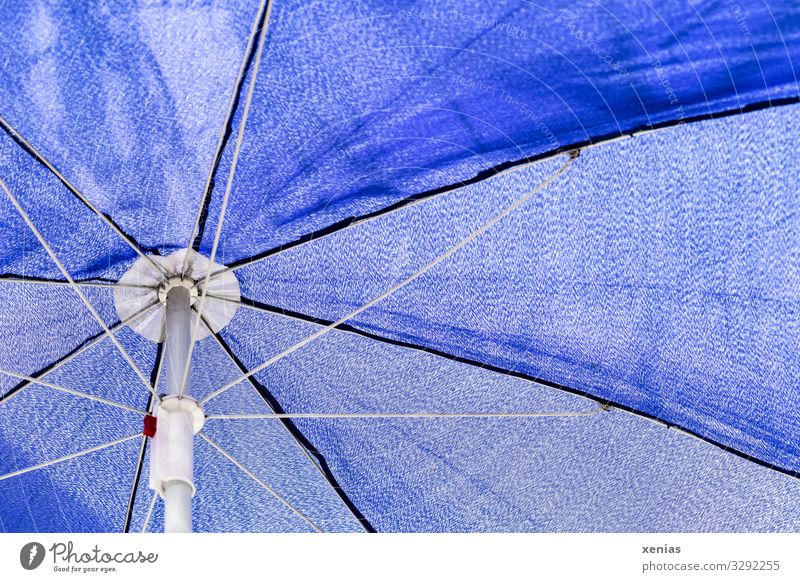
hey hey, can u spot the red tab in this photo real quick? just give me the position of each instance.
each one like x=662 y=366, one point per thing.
x=149 y=426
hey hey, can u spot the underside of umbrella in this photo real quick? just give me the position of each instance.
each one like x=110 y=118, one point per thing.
x=286 y=266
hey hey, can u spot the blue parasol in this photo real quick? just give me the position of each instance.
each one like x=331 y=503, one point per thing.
x=389 y=266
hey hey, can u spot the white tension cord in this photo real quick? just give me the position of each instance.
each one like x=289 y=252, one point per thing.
x=357 y=415
x=75 y=286
x=573 y=155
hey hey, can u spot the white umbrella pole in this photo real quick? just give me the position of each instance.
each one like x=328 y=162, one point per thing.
x=178 y=493
x=179 y=418
x=179 y=336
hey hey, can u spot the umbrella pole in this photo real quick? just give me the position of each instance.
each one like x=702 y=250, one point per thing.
x=177 y=493
x=178 y=416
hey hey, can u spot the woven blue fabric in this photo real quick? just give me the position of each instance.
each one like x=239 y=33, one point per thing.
x=127 y=99
x=361 y=105
x=606 y=472
x=658 y=274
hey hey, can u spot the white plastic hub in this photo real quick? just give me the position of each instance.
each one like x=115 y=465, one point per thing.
x=153 y=286
x=179 y=418
x=189 y=284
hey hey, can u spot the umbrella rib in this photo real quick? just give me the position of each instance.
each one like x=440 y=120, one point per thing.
x=202 y=212
x=77 y=352
x=69 y=457
x=126 y=527
x=262 y=308
x=33 y=381
x=354 y=221
x=154 y=375
x=34 y=281
x=77 y=289
x=513 y=374
x=410 y=415
x=150 y=507
x=132 y=243
x=573 y=155
x=226 y=196
x=266 y=487
x=362 y=522
x=347 y=328
x=489 y=173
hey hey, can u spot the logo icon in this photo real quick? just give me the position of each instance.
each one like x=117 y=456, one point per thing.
x=31 y=555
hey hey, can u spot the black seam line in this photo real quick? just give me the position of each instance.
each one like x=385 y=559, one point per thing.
x=4 y=276
x=273 y=403
x=39 y=373
x=36 y=156
x=143 y=448
x=492 y=368
x=206 y=204
x=503 y=167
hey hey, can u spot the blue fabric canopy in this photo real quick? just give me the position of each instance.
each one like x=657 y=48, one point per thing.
x=644 y=302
